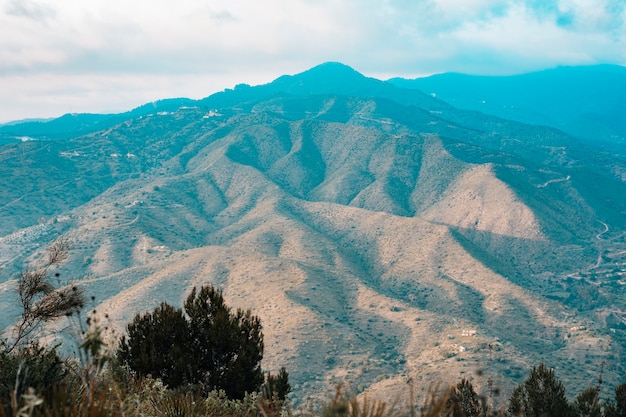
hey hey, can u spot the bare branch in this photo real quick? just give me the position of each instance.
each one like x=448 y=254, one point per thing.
x=59 y=251
x=32 y=283
x=41 y=301
x=61 y=302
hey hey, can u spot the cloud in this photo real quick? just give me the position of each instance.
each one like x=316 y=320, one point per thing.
x=499 y=36
x=222 y=15
x=195 y=35
x=29 y=9
x=246 y=40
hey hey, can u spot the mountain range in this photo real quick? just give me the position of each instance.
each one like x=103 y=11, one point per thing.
x=382 y=230
x=586 y=102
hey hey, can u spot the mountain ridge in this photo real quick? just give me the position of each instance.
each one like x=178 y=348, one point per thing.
x=582 y=101
x=370 y=234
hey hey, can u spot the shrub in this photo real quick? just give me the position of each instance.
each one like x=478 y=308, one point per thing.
x=30 y=367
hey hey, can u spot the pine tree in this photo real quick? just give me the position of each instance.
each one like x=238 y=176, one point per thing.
x=464 y=401
x=277 y=386
x=620 y=400
x=541 y=395
x=617 y=408
x=158 y=344
x=587 y=403
x=211 y=346
x=229 y=346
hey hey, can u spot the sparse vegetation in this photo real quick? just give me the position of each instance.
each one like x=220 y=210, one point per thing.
x=153 y=375
x=395 y=203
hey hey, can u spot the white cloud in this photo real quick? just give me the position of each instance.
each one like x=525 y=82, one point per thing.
x=592 y=15
x=505 y=36
x=104 y=45
x=29 y=9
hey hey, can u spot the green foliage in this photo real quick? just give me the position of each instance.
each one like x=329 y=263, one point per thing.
x=227 y=345
x=214 y=347
x=617 y=408
x=277 y=386
x=149 y=397
x=541 y=395
x=620 y=400
x=159 y=344
x=32 y=366
x=463 y=400
x=179 y=404
x=587 y=403
x=217 y=403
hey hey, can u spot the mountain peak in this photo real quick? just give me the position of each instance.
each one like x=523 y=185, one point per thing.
x=324 y=78
x=332 y=68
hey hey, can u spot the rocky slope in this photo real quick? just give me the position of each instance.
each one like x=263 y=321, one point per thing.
x=380 y=234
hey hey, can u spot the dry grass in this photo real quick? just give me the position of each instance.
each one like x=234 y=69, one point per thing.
x=67 y=401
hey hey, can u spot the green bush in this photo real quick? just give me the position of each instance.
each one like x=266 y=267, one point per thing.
x=30 y=367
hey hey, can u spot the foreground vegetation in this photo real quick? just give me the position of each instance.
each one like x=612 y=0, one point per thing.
x=67 y=388
x=205 y=361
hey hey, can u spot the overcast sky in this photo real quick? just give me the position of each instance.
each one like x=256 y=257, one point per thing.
x=62 y=56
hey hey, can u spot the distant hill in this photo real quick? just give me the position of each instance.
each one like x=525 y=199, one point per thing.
x=587 y=102
x=77 y=124
x=380 y=233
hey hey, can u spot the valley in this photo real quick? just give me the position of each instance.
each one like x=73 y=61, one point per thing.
x=382 y=235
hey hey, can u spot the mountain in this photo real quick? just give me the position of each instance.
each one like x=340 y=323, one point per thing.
x=586 y=102
x=381 y=234
x=75 y=124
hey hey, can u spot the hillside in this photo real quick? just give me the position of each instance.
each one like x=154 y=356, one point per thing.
x=586 y=102
x=379 y=233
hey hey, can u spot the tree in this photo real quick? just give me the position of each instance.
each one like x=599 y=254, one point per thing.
x=228 y=345
x=208 y=345
x=620 y=400
x=617 y=408
x=277 y=386
x=587 y=403
x=159 y=344
x=463 y=400
x=541 y=395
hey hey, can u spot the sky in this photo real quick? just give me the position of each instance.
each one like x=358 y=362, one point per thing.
x=104 y=56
